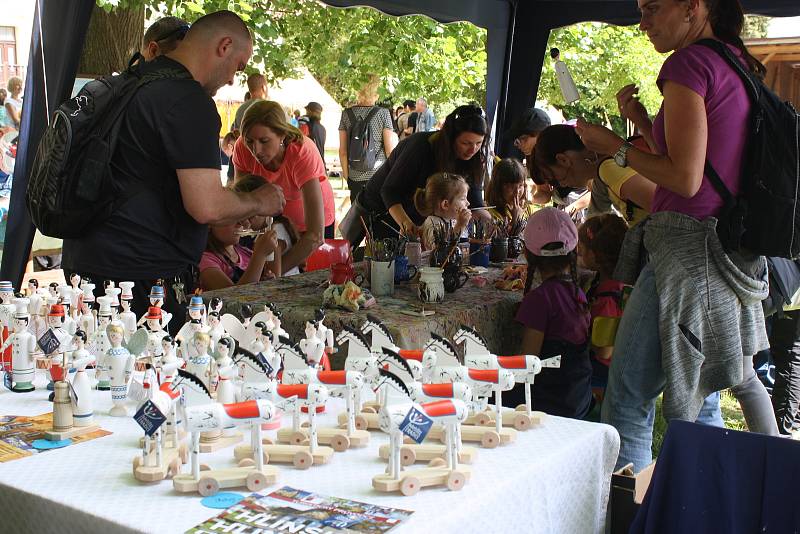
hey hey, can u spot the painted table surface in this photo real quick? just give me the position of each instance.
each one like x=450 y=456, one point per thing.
x=554 y=478
x=491 y=311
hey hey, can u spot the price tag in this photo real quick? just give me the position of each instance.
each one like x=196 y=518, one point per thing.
x=48 y=342
x=149 y=417
x=416 y=425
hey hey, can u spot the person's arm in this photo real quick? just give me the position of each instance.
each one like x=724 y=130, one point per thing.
x=208 y=202
x=581 y=203
x=603 y=353
x=532 y=341
x=640 y=190
x=389 y=141
x=407 y=226
x=632 y=109
x=12 y=112
x=686 y=132
x=343 y=140
x=312 y=238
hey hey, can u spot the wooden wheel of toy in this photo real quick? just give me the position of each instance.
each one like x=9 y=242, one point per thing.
x=521 y=408
x=137 y=462
x=340 y=443
x=256 y=481
x=407 y=456
x=522 y=421
x=410 y=486
x=174 y=467
x=297 y=438
x=183 y=453
x=267 y=441
x=490 y=439
x=368 y=409
x=361 y=422
x=456 y=480
x=484 y=419
x=207 y=486
x=303 y=460
x=437 y=462
x=204 y=467
x=246 y=462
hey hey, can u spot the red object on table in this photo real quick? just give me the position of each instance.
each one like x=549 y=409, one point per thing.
x=330 y=252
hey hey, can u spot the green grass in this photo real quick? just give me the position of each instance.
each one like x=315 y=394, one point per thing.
x=731 y=416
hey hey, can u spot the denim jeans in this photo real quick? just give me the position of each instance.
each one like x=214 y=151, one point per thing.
x=636 y=379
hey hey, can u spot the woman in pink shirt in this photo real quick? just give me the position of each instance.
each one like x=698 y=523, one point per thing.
x=273 y=148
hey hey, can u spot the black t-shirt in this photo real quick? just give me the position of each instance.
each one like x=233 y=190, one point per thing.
x=170 y=124
x=317 y=134
x=412 y=120
x=406 y=170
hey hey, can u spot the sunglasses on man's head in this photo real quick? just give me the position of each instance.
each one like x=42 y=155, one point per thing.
x=179 y=33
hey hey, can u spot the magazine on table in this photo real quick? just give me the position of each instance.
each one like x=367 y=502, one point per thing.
x=302 y=512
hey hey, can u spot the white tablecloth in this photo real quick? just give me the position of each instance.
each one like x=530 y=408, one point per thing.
x=553 y=479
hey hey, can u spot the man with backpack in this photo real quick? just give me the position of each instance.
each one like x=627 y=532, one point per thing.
x=164 y=172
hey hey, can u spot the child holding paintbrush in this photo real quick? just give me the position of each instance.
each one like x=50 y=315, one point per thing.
x=445 y=205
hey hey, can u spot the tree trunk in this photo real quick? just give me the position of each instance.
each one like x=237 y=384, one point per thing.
x=111 y=40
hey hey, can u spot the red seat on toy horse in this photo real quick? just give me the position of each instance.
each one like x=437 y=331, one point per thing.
x=330 y=252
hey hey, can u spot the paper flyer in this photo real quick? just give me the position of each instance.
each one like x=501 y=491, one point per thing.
x=289 y=510
x=18 y=432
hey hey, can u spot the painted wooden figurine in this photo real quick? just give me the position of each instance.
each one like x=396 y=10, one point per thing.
x=75 y=294
x=55 y=323
x=194 y=323
x=157 y=299
x=113 y=292
x=126 y=316
x=202 y=365
x=23 y=347
x=215 y=328
x=86 y=319
x=65 y=297
x=33 y=287
x=155 y=332
x=325 y=335
x=170 y=363
x=312 y=346
x=119 y=362
x=99 y=343
x=7 y=311
x=82 y=408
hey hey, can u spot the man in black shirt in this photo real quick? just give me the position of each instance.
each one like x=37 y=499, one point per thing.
x=167 y=164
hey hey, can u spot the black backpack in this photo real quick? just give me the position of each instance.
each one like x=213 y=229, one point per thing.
x=362 y=150
x=70 y=187
x=765 y=217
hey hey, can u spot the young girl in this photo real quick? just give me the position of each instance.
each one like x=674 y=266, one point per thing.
x=555 y=317
x=227 y=262
x=507 y=192
x=283 y=227
x=444 y=204
x=599 y=242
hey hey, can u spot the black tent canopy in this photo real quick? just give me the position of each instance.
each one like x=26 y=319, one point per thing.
x=517 y=33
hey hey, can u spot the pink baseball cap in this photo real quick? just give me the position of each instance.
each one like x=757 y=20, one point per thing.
x=550 y=225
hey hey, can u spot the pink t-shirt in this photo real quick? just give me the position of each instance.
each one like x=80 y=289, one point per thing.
x=211 y=260
x=301 y=163
x=703 y=71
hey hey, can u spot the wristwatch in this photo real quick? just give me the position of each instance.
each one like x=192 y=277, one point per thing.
x=621 y=157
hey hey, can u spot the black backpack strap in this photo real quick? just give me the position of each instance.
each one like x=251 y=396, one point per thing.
x=352 y=116
x=369 y=115
x=725 y=53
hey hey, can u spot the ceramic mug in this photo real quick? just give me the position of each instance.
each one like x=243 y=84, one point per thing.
x=479 y=254
x=342 y=272
x=414 y=253
x=454 y=278
x=403 y=272
x=381 y=278
x=431 y=285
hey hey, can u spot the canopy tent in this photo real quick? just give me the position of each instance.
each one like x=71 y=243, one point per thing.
x=517 y=33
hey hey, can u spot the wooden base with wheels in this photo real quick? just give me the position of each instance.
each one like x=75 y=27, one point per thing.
x=411 y=481
x=74 y=432
x=488 y=437
x=213 y=480
x=364 y=421
x=171 y=461
x=425 y=452
x=335 y=437
x=221 y=442
x=297 y=455
x=519 y=418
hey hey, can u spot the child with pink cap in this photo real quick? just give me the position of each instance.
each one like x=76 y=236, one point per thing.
x=555 y=316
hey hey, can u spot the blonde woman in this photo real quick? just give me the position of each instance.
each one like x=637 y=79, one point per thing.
x=380 y=131
x=273 y=148
x=13 y=102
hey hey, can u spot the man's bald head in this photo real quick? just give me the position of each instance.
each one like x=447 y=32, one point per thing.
x=217 y=46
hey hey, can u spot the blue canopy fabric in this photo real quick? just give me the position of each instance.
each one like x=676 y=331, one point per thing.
x=517 y=33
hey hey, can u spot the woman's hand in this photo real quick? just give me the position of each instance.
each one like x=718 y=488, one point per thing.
x=408 y=228
x=462 y=220
x=598 y=138
x=630 y=107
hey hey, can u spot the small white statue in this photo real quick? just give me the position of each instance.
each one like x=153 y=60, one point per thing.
x=82 y=409
x=325 y=335
x=170 y=363
x=55 y=323
x=215 y=328
x=157 y=299
x=202 y=365
x=7 y=311
x=126 y=316
x=312 y=345
x=65 y=298
x=33 y=287
x=119 y=362
x=24 y=347
x=226 y=368
x=75 y=286
x=113 y=293
x=86 y=319
x=99 y=343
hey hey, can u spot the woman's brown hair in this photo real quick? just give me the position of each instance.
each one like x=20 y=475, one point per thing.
x=467 y=118
x=603 y=236
x=440 y=186
x=509 y=171
x=726 y=18
x=270 y=114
